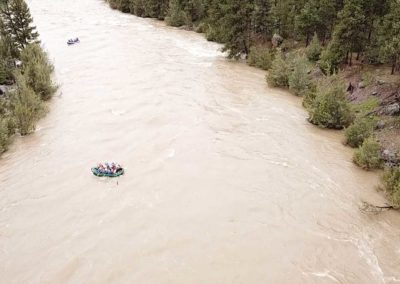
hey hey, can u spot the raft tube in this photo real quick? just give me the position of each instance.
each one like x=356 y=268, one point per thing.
x=97 y=173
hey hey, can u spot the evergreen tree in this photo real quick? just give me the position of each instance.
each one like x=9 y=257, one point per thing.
x=282 y=16
x=37 y=71
x=157 y=9
x=313 y=51
x=176 y=16
x=390 y=35
x=317 y=16
x=349 y=35
x=27 y=106
x=216 y=29
x=278 y=75
x=262 y=24
x=329 y=107
x=374 y=11
x=6 y=60
x=17 y=23
x=238 y=24
x=299 y=79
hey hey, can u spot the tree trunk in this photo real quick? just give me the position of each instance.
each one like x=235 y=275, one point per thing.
x=351 y=58
x=370 y=30
x=308 y=39
x=246 y=50
x=394 y=62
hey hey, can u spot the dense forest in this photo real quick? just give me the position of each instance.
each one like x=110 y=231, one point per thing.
x=25 y=73
x=366 y=29
x=341 y=56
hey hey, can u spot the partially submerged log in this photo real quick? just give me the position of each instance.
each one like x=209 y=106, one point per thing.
x=374 y=209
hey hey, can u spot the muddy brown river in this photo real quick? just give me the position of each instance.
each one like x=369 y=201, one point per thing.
x=225 y=180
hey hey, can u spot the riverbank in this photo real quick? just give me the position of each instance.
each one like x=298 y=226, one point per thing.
x=367 y=105
x=25 y=73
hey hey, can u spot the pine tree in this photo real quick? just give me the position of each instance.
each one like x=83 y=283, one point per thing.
x=156 y=8
x=390 y=35
x=176 y=16
x=6 y=59
x=37 y=71
x=313 y=51
x=308 y=20
x=17 y=22
x=278 y=75
x=238 y=24
x=299 y=79
x=27 y=106
x=281 y=16
x=330 y=108
x=374 y=10
x=216 y=29
x=262 y=23
x=349 y=32
x=348 y=36
x=317 y=16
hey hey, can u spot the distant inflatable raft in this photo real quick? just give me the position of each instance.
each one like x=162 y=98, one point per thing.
x=98 y=173
x=73 y=41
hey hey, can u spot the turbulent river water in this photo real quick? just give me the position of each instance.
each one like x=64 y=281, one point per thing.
x=225 y=180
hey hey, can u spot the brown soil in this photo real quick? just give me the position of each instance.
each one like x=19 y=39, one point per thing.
x=379 y=84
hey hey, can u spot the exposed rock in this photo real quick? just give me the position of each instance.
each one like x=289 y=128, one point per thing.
x=276 y=40
x=381 y=124
x=392 y=109
x=18 y=63
x=361 y=85
x=381 y=82
x=317 y=73
x=390 y=157
x=3 y=90
x=375 y=93
x=350 y=88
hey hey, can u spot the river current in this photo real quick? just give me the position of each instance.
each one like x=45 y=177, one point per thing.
x=225 y=182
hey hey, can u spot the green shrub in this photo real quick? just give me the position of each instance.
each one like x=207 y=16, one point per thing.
x=314 y=50
x=176 y=16
x=361 y=129
x=4 y=135
x=329 y=108
x=37 y=70
x=299 y=79
x=3 y=72
x=137 y=7
x=366 y=106
x=27 y=106
x=122 y=5
x=368 y=155
x=391 y=180
x=331 y=57
x=278 y=75
x=202 y=27
x=309 y=97
x=260 y=57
